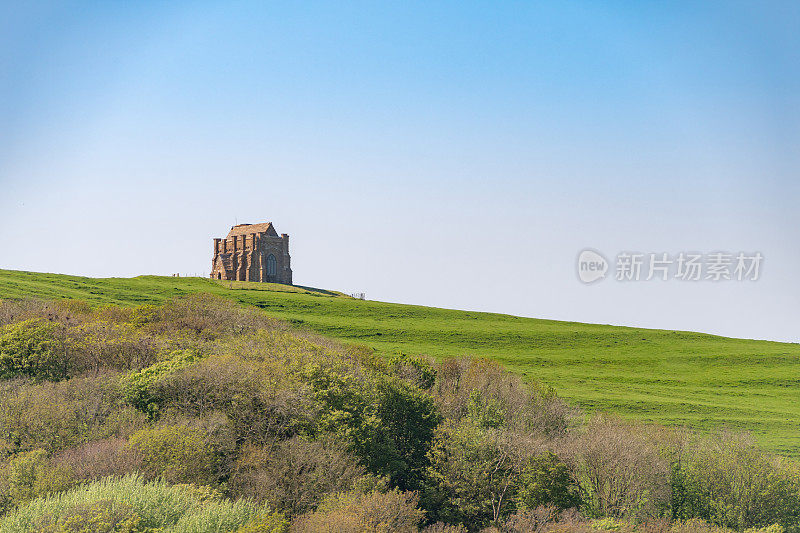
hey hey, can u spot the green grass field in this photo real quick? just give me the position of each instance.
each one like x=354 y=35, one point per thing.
x=672 y=377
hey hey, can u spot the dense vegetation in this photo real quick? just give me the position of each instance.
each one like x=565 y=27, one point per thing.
x=200 y=415
x=675 y=378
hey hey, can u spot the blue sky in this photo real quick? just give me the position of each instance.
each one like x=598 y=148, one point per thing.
x=457 y=154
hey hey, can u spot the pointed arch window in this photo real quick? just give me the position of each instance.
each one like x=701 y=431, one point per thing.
x=272 y=265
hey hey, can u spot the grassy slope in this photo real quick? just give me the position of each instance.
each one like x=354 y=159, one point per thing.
x=666 y=376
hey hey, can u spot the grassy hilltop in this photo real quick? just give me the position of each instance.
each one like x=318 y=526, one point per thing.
x=672 y=377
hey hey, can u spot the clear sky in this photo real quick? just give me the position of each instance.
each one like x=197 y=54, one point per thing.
x=456 y=154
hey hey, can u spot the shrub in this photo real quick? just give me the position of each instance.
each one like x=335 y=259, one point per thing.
x=441 y=527
x=727 y=480
x=31 y=474
x=158 y=506
x=486 y=412
x=99 y=517
x=546 y=480
x=393 y=511
x=774 y=528
x=295 y=475
x=619 y=469
x=177 y=453
x=462 y=385
x=322 y=430
x=225 y=515
x=531 y=520
x=259 y=398
x=415 y=369
x=66 y=312
x=97 y=459
x=266 y=523
x=33 y=348
x=108 y=344
x=56 y=416
x=696 y=525
x=203 y=315
x=406 y=418
x=610 y=524
x=387 y=423
x=138 y=386
x=477 y=470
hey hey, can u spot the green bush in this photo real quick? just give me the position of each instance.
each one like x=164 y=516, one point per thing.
x=269 y=523
x=56 y=416
x=154 y=506
x=476 y=470
x=728 y=481
x=32 y=474
x=259 y=398
x=138 y=386
x=774 y=528
x=33 y=348
x=546 y=480
x=177 y=453
x=486 y=411
x=330 y=434
x=609 y=524
x=407 y=418
x=388 y=423
x=225 y=515
x=465 y=387
x=441 y=527
x=202 y=316
x=99 y=517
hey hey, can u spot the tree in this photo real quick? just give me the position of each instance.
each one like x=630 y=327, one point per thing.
x=546 y=480
x=619 y=469
x=727 y=480
x=477 y=469
x=295 y=475
x=407 y=419
x=387 y=422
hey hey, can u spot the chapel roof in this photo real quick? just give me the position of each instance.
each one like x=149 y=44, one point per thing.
x=247 y=229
